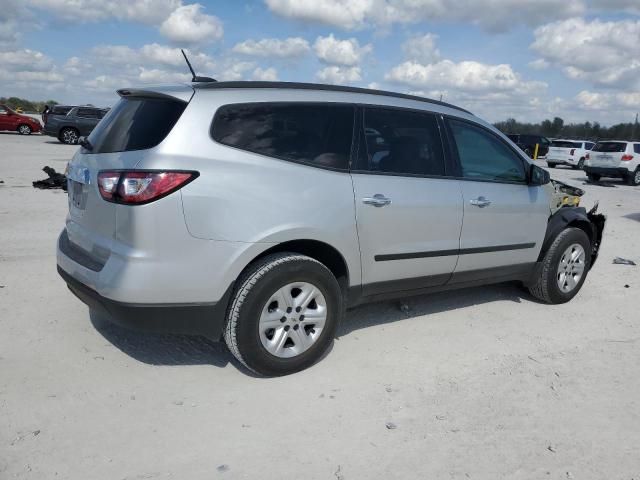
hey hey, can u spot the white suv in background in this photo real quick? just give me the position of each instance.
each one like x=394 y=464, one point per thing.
x=568 y=152
x=614 y=158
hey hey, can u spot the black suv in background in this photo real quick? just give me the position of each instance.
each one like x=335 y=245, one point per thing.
x=528 y=143
x=77 y=122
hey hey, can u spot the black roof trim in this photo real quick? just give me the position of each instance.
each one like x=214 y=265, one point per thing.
x=320 y=86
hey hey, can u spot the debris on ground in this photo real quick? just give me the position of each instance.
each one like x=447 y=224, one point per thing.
x=404 y=307
x=626 y=285
x=223 y=468
x=551 y=449
x=55 y=180
x=391 y=426
x=623 y=261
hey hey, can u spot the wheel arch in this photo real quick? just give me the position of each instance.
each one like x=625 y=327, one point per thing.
x=326 y=254
x=574 y=217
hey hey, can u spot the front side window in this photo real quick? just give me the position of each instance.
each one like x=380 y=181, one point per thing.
x=483 y=156
x=3 y=111
x=318 y=134
x=403 y=142
x=87 y=113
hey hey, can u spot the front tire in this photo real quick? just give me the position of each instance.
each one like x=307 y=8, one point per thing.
x=24 y=129
x=564 y=267
x=284 y=314
x=594 y=177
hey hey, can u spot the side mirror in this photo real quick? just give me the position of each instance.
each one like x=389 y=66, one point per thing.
x=538 y=176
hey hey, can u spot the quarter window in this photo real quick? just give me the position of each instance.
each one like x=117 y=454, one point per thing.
x=318 y=134
x=636 y=147
x=87 y=113
x=485 y=157
x=403 y=142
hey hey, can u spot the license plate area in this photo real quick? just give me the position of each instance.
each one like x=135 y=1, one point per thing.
x=77 y=195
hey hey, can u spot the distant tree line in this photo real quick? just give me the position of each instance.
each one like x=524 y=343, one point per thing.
x=26 y=105
x=556 y=128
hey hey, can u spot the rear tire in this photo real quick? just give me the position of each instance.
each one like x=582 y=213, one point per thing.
x=580 y=165
x=69 y=136
x=266 y=326
x=24 y=129
x=560 y=278
x=594 y=177
x=634 y=178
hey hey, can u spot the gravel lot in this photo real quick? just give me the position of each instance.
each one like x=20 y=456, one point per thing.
x=483 y=383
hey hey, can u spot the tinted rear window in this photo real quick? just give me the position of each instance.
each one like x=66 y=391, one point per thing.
x=610 y=147
x=136 y=124
x=561 y=144
x=319 y=134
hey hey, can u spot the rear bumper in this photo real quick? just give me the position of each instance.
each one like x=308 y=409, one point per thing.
x=191 y=319
x=619 y=172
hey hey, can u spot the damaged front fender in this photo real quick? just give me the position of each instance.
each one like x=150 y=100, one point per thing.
x=591 y=222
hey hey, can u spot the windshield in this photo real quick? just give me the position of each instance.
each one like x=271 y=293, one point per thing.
x=610 y=147
x=135 y=124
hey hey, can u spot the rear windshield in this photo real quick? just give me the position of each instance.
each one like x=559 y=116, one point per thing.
x=561 y=144
x=610 y=147
x=136 y=124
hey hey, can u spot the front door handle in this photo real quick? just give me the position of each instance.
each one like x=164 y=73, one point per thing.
x=378 y=200
x=480 y=202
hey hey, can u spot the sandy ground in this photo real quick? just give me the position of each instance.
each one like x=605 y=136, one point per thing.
x=484 y=383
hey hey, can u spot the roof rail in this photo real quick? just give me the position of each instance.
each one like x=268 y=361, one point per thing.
x=320 y=86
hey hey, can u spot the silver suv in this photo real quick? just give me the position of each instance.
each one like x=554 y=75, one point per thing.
x=257 y=212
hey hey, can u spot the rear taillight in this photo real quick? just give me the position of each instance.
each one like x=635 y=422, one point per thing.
x=136 y=187
x=627 y=158
x=587 y=156
x=572 y=151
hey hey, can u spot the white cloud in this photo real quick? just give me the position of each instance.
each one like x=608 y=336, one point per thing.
x=25 y=59
x=273 y=47
x=339 y=75
x=145 y=11
x=605 y=102
x=347 y=53
x=347 y=15
x=421 y=49
x=152 y=55
x=602 y=53
x=267 y=75
x=466 y=76
x=231 y=70
x=539 y=64
x=488 y=14
x=188 y=25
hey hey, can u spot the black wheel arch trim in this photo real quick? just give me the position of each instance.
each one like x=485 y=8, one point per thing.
x=591 y=222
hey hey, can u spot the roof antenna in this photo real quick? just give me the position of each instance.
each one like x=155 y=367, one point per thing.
x=196 y=78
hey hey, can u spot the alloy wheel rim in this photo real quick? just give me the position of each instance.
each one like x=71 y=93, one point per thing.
x=70 y=136
x=292 y=319
x=637 y=177
x=571 y=268
x=24 y=129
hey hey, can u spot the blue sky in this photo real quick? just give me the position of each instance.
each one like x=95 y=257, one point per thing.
x=577 y=59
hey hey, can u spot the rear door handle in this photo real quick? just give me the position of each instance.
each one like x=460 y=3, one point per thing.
x=480 y=202
x=378 y=200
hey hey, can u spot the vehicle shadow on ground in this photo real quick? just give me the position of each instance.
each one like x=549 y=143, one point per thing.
x=609 y=182
x=175 y=350
x=633 y=216
x=429 y=305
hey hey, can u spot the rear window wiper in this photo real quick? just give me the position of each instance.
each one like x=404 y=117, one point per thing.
x=85 y=143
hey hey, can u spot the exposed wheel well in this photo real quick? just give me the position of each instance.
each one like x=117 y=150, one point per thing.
x=323 y=252
x=584 y=226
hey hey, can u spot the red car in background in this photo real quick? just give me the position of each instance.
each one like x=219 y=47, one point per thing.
x=16 y=122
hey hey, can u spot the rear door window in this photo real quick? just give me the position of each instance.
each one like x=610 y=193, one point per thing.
x=589 y=145
x=402 y=142
x=316 y=134
x=610 y=147
x=87 y=113
x=484 y=156
x=136 y=123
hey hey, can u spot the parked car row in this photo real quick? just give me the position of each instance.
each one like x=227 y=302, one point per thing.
x=13 y=121
x=68 y=123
